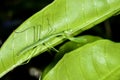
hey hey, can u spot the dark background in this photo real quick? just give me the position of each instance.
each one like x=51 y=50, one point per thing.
x=14 y=12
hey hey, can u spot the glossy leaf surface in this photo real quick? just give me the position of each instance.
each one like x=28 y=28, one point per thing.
x=75 y=43
x=48 y=27
x=99 y=60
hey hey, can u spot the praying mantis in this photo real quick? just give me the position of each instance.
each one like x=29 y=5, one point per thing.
x=51 y=26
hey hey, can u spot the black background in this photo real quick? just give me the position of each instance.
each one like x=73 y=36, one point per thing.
x=14 y=12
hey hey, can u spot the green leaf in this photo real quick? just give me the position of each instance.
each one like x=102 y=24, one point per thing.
x=75 y=43
x=99 y=60
x=48 y=26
